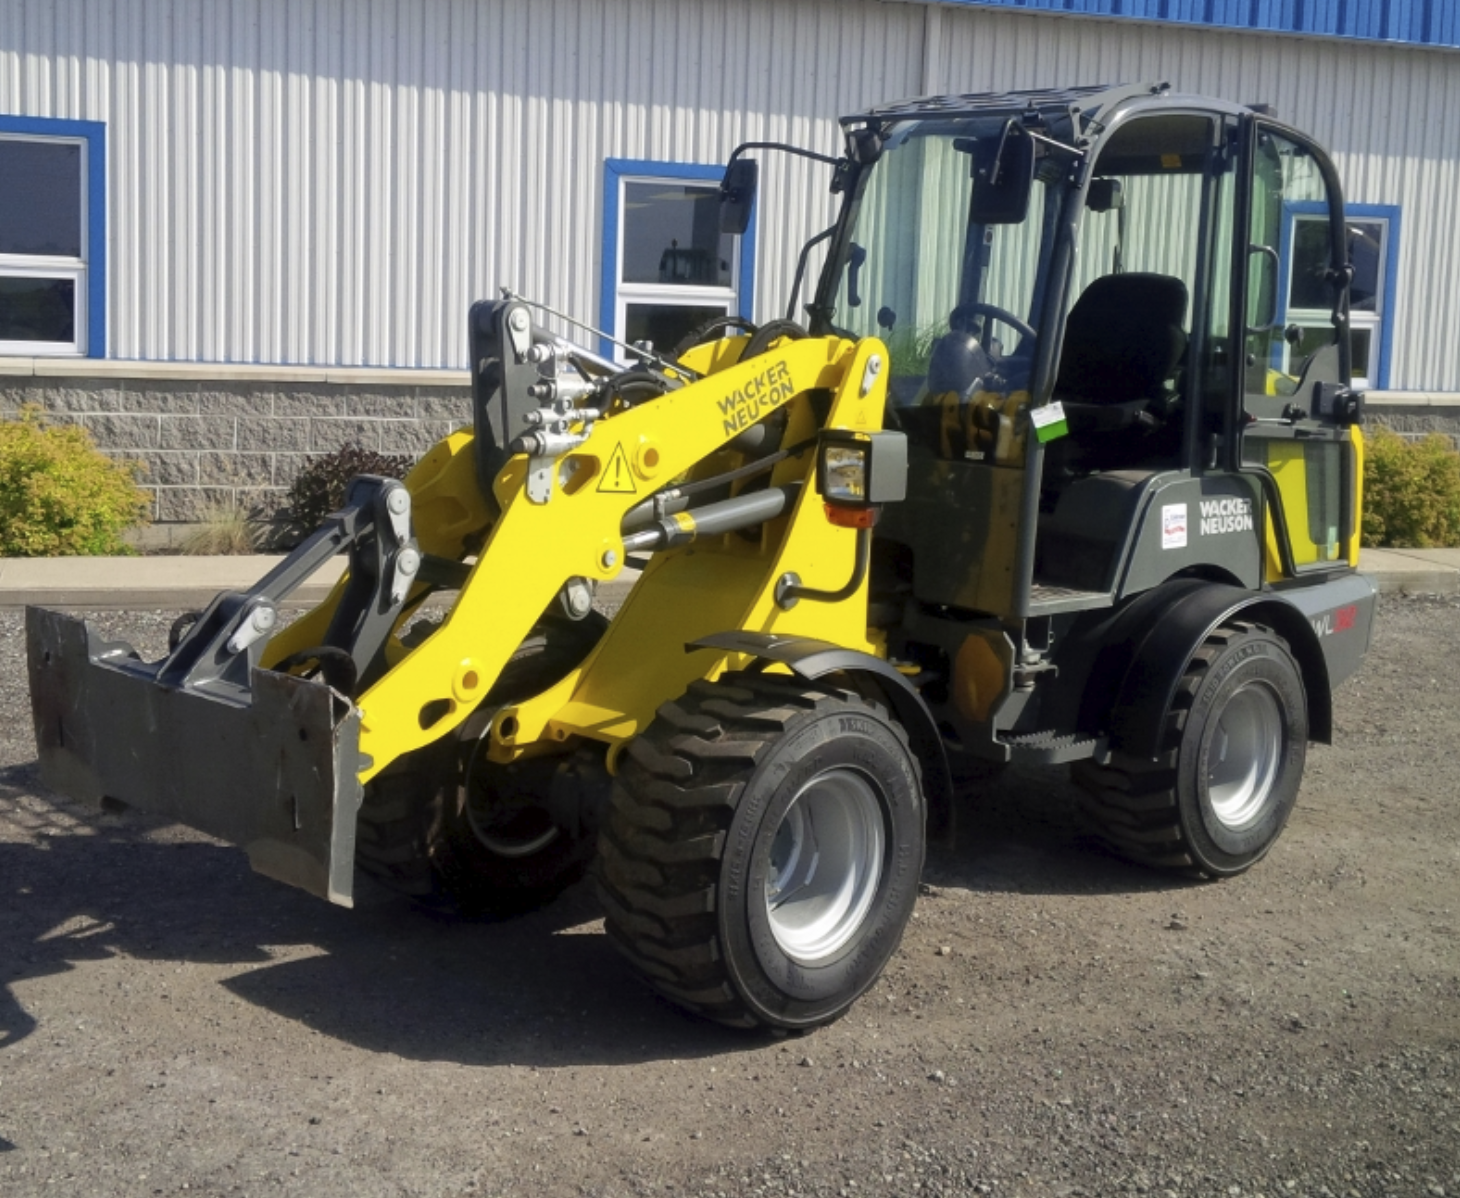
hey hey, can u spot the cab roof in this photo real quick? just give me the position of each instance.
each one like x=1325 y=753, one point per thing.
x=1063 y=111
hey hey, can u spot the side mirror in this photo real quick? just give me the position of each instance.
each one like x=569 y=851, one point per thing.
x=1003 y=182
x=737 y=195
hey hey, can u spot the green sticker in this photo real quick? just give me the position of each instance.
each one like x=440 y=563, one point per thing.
x=1049 y=422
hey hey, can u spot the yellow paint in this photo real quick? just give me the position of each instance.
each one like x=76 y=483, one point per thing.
x=717 y=584
x=1351 y=550
x=532 y=549
x=978 y=679
x=1288 y=464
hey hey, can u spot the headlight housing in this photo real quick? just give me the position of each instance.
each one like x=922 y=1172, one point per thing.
x=857 y=472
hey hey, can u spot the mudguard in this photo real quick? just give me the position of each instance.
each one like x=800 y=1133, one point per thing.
x=812 y=659
x=1145 y=649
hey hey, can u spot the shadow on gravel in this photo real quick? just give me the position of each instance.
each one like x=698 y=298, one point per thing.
x=543 y=989
x=1020 y=832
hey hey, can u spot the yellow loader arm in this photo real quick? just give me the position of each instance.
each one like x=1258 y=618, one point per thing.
x=265 y=737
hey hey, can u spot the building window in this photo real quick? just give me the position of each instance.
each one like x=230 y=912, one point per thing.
x=52 y=237
x=1373 y=248
x=667 y=268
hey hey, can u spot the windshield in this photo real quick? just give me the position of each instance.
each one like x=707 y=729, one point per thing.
x=954 y=301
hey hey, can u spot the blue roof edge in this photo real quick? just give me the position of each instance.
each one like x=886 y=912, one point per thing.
x=1434 y=24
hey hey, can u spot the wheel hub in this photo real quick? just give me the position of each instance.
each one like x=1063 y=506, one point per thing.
x=1245 y=755
x=826 y=863
x=506 y=818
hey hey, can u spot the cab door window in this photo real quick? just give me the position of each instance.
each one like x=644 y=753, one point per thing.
x=1289 y=366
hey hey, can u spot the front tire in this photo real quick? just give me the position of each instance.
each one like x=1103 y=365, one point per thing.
x=448 y=827
x=763 y=848
x=1233 y=746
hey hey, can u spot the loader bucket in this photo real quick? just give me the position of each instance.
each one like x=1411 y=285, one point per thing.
x=272 y=767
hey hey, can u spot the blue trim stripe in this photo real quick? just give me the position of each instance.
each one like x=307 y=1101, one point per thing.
x=614 y=171
x=94 y=134
x=1408 y=22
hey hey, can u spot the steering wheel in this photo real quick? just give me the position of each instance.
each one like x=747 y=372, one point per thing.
x=1000 y=314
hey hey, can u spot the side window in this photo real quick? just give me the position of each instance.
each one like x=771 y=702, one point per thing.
x=52 y=274
x=1373 y=244
x=1289 y=258
x=1290 y=346
x=667 y=268
x=1142 y=280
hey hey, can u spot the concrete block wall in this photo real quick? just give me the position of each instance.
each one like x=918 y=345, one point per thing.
x=1415 y=414
x=239 y=435
x=235 y=435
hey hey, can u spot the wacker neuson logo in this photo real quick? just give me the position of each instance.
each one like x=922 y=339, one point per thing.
x=1225 y=515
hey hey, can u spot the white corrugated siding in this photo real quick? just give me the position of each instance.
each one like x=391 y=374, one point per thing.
x=1390 y=117
x=333 y=181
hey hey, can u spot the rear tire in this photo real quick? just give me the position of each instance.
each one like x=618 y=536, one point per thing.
x=445 y=826
x=762 y=853
x=1220 y=790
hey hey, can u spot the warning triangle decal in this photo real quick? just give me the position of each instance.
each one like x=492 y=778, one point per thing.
x=618 y=479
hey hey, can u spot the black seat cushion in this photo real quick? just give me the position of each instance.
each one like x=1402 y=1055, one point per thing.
x=1123 y=339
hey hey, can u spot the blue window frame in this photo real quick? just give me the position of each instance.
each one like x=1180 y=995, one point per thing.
x=666 y=266
x=1373 y=245
x=52 y=237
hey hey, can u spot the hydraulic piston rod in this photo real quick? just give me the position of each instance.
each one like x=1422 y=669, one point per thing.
x=728 y=515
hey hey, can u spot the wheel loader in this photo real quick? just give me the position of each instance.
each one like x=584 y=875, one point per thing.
x=1047 y=471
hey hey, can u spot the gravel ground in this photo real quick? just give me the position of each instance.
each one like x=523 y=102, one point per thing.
x=1056 y=1022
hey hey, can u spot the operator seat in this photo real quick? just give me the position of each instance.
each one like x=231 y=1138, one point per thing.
x=1124 y=342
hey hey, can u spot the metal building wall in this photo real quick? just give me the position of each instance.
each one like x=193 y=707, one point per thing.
x=1390 y=117
x=332 y=181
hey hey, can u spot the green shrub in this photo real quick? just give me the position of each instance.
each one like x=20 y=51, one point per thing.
x=912 y=348
x=225 y=529
x=60 y=495
x=319 y=488
x=1411 y=491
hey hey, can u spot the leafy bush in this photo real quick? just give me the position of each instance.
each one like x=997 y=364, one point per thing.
x=60 y=495
x=911 y=348
x=225 y=529
x=319 y=488
x=1411 y=491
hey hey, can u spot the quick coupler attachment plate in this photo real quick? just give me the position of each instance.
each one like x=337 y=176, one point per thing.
x=272 y=767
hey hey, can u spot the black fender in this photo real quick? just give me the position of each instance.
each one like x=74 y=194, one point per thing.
x=812 y=659
x=1144 y=647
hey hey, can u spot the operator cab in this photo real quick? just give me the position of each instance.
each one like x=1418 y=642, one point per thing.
x=1085 y=248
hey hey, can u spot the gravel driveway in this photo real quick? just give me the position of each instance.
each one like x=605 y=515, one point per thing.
x=1056 y=1022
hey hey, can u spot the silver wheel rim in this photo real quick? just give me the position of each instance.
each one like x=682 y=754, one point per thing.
x=1246 y=751
x=826 y=863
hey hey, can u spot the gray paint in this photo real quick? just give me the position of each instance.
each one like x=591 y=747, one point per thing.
x=1225 y=539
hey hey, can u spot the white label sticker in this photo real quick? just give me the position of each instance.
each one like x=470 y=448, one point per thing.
x=1050 y=413
x=1173 y=526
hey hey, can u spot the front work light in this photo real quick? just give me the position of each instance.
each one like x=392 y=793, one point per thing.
x=857 y=472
